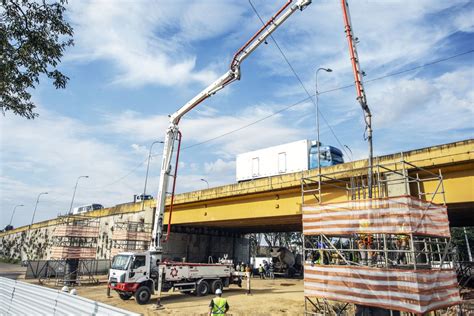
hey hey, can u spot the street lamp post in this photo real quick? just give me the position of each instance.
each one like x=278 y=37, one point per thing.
x=74 y=194
x=317 y=115
x=36 y=206
x=147 y=169
x=349 y=151
x=13 y=213
x=204 y=180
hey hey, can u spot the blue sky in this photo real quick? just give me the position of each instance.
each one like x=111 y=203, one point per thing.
x=135 y=62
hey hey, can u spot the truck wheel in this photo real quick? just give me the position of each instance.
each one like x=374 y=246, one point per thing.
x=125 y=296
x=216 y=284
x=142 y=295
x=202 y=288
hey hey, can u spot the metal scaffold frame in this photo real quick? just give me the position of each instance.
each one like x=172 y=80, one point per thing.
x=400 y=233
x=75 y=237
x=130 y=236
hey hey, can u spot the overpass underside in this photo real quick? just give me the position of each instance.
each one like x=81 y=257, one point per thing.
x=460 y=215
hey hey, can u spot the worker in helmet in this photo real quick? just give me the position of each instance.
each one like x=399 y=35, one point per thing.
x=218 y=305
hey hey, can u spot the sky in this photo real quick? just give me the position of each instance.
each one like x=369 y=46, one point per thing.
x=136 y=62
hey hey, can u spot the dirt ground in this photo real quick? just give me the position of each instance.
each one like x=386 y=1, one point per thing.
x=269 y=297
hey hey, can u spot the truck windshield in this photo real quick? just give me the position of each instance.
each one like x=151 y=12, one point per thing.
x=120 y=262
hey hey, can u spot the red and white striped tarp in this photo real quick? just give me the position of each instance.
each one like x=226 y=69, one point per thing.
x=73 y=253
x=416 y=291
x=76 y=231
x=130 y=235
x=394 y=215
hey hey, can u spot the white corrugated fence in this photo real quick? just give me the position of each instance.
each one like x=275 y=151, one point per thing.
x=20 y=298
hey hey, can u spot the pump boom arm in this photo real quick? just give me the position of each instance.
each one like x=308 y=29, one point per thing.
x=359 y=84
x=173 y=133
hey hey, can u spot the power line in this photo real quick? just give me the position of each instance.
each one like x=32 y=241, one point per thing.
x=301 y=102
x=434 y=62
x=299 y=79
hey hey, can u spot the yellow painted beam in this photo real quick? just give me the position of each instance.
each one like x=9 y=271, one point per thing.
x=274 y=199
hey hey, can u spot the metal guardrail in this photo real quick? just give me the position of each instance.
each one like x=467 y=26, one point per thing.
x=19 y=298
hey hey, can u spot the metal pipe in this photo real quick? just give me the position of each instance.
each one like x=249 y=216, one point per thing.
x=174 y=186
x=361 y=97
x=467 y=244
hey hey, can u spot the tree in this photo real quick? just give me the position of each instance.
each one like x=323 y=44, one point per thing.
x=33 y=37
x=459 y=240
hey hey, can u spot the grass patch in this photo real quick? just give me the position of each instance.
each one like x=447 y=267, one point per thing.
x=9 y=260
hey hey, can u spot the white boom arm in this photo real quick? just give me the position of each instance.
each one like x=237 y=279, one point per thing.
x=230 y=76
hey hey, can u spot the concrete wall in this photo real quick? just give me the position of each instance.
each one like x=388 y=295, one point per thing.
x=36 y=243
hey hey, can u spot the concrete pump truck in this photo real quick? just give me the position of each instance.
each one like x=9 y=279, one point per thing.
x=143 y=274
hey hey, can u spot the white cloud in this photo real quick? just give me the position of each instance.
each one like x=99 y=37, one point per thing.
x=150 y=42
x=48 y=154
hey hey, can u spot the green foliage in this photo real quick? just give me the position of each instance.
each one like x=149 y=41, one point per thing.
x=33 y=37
x=9 y=260
x=459 y=240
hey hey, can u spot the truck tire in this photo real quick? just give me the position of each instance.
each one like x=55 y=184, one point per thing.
x=125 y=296
x=202 y=288
x=216 y=284
x=142 y=295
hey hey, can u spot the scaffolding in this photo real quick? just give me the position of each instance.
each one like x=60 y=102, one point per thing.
x=130 y=236
x=75 y=237
x=392 y=251
x=74 y=243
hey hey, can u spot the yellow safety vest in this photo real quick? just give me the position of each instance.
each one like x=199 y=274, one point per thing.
x=219 y=306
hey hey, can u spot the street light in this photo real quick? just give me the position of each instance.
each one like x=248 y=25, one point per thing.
x=204 y=180
x=349 y=151
x=317 y=115
x=148 y=168
x=74 y=194
x=34 y=212
x=13 y=213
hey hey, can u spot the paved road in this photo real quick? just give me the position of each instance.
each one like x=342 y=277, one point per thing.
x=12 y=271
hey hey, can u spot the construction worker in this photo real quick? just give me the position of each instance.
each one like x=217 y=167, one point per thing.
x=271 y=273
x=401 y=244
x=261 y=272
x=218 y=305
x=365 y=242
